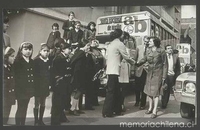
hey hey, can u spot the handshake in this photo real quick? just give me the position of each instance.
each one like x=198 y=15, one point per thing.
x=133 y=62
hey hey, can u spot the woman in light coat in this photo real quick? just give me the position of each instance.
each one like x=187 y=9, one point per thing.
x=157 y=72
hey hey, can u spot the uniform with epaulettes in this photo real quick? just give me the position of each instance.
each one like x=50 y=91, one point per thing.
x=8 y=91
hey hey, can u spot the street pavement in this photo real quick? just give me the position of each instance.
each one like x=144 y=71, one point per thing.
x=94 y=117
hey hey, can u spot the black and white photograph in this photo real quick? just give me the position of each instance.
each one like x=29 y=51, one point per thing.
x=129 y=66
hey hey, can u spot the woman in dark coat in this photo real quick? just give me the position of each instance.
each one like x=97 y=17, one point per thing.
x=42 y=82
x=9 y=83
x=61 y=88
x=24 y=80
x=157 y=72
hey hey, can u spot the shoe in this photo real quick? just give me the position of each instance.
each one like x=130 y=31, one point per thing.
x=89 y=108
x=118 y=114
x=148 y=111
x=104 y=116
x=136 y=104
x=153 y=115
x=74 y=113
x=163 y=107
x=142 y=108
x=80 y=112
x=96 y=104
x=64 y=120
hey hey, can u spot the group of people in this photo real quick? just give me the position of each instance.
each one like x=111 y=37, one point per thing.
x=64 y=65
x=67 y=66
x=154 y=74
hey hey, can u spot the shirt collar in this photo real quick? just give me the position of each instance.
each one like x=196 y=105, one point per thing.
x=45 y=60
x=64 y=54
x=26 y=59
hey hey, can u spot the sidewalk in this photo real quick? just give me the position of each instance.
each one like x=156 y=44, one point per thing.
x=94 y=117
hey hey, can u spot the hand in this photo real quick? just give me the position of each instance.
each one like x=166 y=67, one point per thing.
x=137 y=65
x=163 y=81
x=70 y=28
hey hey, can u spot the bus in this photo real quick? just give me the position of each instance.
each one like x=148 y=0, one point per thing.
x=138 y=25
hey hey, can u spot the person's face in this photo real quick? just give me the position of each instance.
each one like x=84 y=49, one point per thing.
x=169 y=49
x=11 y=58
x=54 y=29
x=77 y=26
x=151 y=43
x=125 y=40
x=71 y=16
x=87 y=48
x=146 y=41
x=5 y=26
x=44 y=53
x=27 y=52
x=67 y=51
x=92 y=27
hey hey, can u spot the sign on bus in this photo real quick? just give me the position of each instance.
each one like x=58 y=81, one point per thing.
x=136 y=24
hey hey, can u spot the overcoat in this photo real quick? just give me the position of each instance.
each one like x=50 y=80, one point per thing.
x=78 y=64
x=42 y=77
x=9 y=86
x=62 y=71
x=24 y=78
x=156 y=71
x=66 y=26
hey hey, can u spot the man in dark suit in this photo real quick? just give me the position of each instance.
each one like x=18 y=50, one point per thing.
x=173 y=72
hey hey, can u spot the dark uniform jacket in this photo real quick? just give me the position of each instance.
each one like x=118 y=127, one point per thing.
x=78 y=63
x=9 y=86
x=42 y=77
x=66 y=26
x=76 y=36
x=51 y=39
x=62 y=74
x=24 y=78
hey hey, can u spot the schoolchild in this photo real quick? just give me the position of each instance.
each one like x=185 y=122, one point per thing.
x=9 y=83
x=52 y=37
x=24 y=80
x=42 y=82
x=61 y=88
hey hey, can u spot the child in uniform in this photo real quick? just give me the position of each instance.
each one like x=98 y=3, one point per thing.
x=24 y=80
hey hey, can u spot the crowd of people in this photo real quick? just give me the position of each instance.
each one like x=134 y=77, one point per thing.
x=67 y=65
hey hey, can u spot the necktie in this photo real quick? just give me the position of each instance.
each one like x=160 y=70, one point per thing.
x=169 y=56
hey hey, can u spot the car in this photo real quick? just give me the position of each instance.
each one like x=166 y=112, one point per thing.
x=185 y=93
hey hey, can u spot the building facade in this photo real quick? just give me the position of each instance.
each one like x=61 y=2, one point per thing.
x=34 y=24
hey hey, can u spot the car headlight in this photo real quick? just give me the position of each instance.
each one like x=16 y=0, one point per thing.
x=178 y=85
x=190 y=88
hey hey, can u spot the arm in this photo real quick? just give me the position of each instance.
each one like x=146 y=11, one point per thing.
x=65 y=26
x=177 y=68
x=123 y=52
x=57 y=34
x=165 y=65
x=85 y=37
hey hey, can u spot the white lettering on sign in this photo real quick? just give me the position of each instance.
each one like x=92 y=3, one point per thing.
x=136 y=24
x=184 y=51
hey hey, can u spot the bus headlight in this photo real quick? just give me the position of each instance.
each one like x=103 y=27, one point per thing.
x=190 y=88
